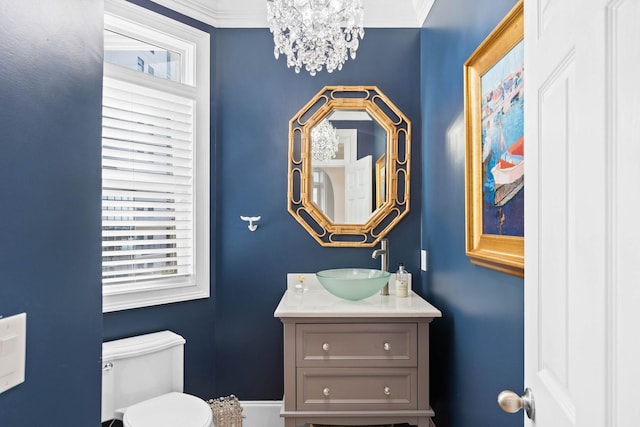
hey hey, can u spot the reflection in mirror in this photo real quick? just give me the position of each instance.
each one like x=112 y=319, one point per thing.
x=343 y=147
x=349 y=166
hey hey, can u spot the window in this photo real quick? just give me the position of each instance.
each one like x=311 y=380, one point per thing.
x=155 y=159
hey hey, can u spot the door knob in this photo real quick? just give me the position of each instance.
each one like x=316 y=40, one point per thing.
x=511 y=402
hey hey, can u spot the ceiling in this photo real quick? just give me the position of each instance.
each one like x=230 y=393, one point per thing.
x=252 y=13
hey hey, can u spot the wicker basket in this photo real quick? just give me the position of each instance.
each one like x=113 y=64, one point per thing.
x=227 y=411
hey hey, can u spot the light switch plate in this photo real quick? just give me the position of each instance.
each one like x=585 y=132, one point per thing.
x=423 y=260
x=13 y=334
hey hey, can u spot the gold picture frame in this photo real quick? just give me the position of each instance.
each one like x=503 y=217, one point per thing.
x=494 y=167
x=381 y=180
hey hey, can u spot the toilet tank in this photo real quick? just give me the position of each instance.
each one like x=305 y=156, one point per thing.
x=139 y=368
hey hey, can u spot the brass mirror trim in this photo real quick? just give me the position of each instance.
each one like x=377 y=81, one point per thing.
x=397 y=171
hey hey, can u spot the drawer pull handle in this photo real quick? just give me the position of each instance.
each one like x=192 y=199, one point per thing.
x=325 y=391
x=387 y=391
x=325 y=346
x=386 y=346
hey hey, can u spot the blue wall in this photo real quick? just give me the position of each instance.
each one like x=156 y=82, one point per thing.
x=255 y=98
x=477 y=347
x=50 y=97
x=234 y=345
x=50 y=87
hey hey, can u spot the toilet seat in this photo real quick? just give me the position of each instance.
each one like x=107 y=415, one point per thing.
x=169 y=410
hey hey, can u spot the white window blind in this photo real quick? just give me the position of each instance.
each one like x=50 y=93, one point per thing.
x=147 y=198
x=155 y=160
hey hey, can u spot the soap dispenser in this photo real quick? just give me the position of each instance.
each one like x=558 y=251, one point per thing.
x=402 y=282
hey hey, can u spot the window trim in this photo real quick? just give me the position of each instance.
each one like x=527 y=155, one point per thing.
x=141 y=23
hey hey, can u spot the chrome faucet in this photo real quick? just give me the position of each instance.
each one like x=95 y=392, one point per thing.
x=384 y=262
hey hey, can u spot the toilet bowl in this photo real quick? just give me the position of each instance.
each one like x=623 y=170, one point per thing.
x=142 y=383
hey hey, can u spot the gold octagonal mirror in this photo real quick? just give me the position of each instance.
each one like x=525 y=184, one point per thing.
x=349 y=158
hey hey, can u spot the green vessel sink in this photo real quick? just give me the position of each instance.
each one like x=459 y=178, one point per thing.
x=353 y=283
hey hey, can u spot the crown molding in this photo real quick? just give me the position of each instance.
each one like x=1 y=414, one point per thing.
x=245 y=14
x=423 y=7
x=253 y=13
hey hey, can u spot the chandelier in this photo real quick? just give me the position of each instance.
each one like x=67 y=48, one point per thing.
x=315 y=33
x=324 y=141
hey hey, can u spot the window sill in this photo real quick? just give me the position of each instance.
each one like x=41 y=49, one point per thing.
x=124 y=298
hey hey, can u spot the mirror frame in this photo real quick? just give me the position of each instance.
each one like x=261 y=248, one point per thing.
x=397 y=162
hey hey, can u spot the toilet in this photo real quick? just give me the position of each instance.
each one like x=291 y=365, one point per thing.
x=142 y=383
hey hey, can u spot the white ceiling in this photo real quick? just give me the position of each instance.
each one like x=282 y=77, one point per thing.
x=252 y=13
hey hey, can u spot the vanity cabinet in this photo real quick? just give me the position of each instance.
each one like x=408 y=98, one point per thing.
x=355 y=363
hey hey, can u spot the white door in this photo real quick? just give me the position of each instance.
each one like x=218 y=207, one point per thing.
x=358 y=197
x=582 y=234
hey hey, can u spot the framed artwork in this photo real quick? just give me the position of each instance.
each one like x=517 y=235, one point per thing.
x=494 y=169
x=381 y=180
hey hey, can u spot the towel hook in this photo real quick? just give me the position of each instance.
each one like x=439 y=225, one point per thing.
x=251 y=220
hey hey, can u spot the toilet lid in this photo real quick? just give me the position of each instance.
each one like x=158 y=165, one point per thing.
x=169 y=410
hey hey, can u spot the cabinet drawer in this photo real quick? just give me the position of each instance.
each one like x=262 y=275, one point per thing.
x=356 y=345
x=355 y=389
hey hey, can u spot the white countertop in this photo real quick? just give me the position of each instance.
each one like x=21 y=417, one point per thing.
x=317 y=302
